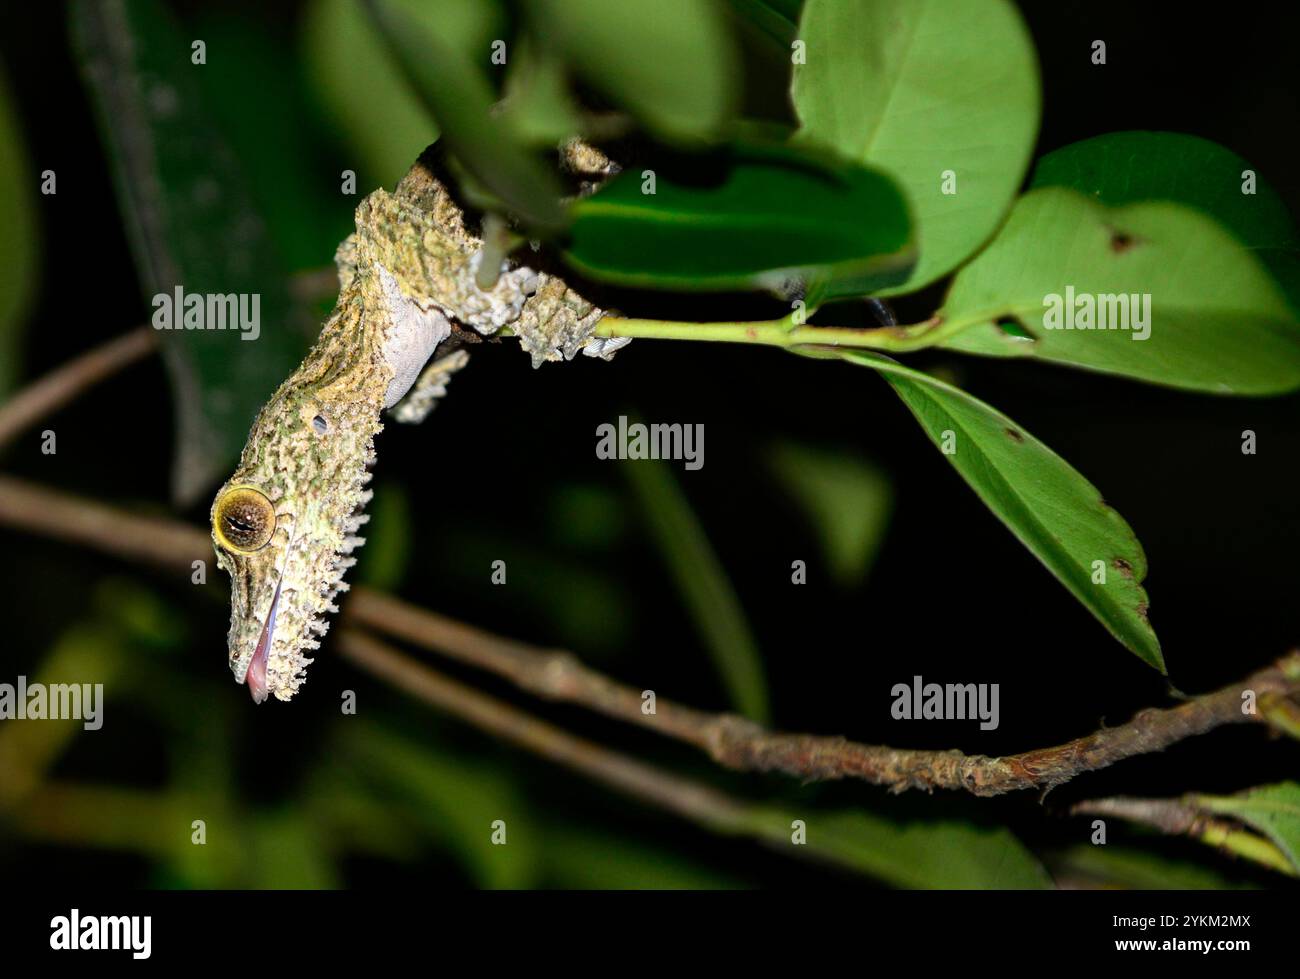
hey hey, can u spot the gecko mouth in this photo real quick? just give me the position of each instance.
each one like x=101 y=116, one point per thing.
x=256 y=676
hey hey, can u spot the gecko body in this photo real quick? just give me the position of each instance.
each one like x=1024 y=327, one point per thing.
x=286 y=523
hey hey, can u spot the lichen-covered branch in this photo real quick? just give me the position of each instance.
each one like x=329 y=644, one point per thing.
x=730 y=740
x=737 y=743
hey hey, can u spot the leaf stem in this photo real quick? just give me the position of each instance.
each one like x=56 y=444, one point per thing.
x=788 y=332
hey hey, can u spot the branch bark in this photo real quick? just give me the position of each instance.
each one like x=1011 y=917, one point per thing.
x=730 y=740
x=63 y=384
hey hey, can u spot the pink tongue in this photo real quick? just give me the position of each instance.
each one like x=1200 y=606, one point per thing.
x=257 y=671
x=256 y=677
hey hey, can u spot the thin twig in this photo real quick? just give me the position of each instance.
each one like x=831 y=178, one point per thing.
x=730 y=740
x=1182 y=817
x=63 y=384
x=671 y=792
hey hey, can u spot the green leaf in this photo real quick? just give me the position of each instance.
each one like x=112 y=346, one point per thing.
x=288 y=852
x=778 y=19
x=366 y=95
x=584 y=858
x=456 y=800
x=19 y=245
x=918 y=88
x=933 y=854
x=451 y=78
x=1046 y=503
x=703 y=584
x=191 y=224
x=848 y=500
x=294 y=191
x=537 y=102
x=669 y=62
x=1127 y=167
x=1273 y=810
x=1117 y=866
x=1218 y=322
x=752 y=217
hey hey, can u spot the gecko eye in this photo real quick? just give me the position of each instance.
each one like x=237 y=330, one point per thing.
x=243 y=519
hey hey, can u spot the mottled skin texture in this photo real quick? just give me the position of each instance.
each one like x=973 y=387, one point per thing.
x=407 y=271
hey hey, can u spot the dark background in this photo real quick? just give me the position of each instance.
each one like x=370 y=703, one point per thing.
x=951 y=596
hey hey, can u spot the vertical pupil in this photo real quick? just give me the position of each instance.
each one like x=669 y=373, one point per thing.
x=246 y=522
x=235 y=522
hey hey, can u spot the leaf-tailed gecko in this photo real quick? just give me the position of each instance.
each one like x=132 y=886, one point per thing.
x=286 y=523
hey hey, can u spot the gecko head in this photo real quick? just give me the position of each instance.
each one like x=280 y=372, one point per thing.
x=285 y=564
x=251 y=543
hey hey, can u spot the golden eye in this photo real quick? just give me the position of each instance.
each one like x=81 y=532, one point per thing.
x=243 y=519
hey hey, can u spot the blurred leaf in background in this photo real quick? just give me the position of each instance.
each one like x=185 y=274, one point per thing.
x=381 y=121
x=450 y=68
x=672 y=63
x=847 y=500
x=937 y=853
x=537 y=103
x=1116 y=866
x=457 y=802
x=192 y=224
x=284 y=145
x=591 y=857
x=19 y=239
x=84 y=654
x=703 y=585
x=777 y=19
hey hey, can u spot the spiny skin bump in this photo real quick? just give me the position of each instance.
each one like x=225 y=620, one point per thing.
x=407 y=271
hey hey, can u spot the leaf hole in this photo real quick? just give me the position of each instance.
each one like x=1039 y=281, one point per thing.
x=1014 y=329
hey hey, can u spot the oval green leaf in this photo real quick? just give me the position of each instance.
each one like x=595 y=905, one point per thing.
x=941 y=94
x=753 y=217
x=1212 y=316
x=1042 y=499
x=1127 y=167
